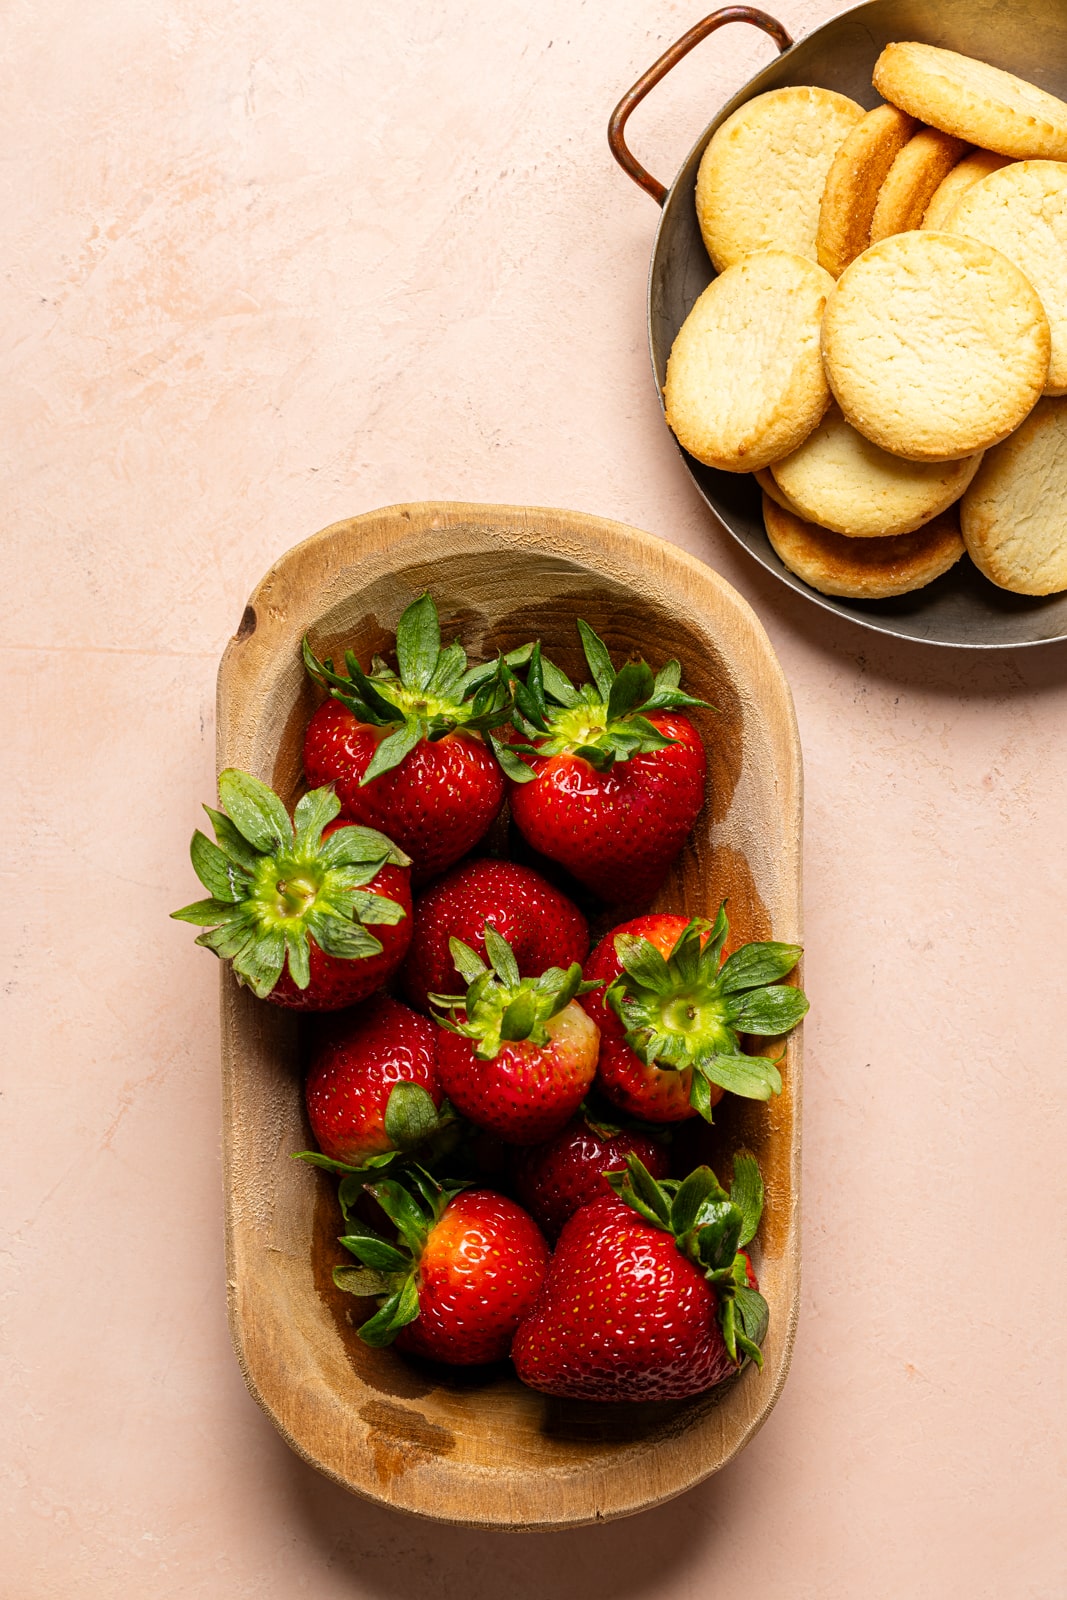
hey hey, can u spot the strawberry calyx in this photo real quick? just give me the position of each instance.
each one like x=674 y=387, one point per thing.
x=432 y=693
x=499 y=1005
x=275 y=883
x=687 y=1009
x=414 y=1126
x=710 y=1228
x=602 y=722
x=388 y=1269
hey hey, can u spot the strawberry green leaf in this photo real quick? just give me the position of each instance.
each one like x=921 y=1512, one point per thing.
x=354 y=845
x=375 y=908
x=448 y=672
x=752 y=1077
x=700 y=1096
x=773 y=1010
x=410 y=1116
x=511 y=765
x=375 y=1252
x=259 y=963
x=313 y=811
x=403 y=1212
x=746 y=1193
x=691 y=1197
x=208 y=913
x=757 y=964
x=392 y=750
x=363 y=1282
x=467 y=962
x=754 y=1315
x=232 y=843
x=218 y=874
x=338 y=937
x=501 y=956
x=255 y=810
x=518 y=1018
x=597 y=659
x=728 y=1324
x=418 y=642
x=379 y=1331
x=643 y=961
x=231 y=939
x=631 y=688
x=558 y=685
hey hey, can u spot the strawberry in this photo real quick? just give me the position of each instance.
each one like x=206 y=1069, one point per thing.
x=554 y=1180
x=650 y=1295
x=466 y=1268
x=543 y=927
x=358 y=1062
x=293 y=903
x=670 y=1015
x=516 y=1055
x=405 y=749
x=610 y=777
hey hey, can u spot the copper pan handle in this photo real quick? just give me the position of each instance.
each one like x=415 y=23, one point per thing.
x=670 y=58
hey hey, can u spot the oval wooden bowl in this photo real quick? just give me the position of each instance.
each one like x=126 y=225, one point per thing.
x=476 y=1447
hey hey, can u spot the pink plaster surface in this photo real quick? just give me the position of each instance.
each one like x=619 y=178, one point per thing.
x=268 y=265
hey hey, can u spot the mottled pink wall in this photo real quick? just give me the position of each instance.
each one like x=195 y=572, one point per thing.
x=267 y=265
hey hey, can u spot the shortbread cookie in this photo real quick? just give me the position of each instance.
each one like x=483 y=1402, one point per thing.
x=976 y=102
x=763 y=173
x=935 y=346
x=1022 y=212
x=964 y=175
x=859 y=169
x=765 y=478
x=745 y=381
x=913 y=180
x=843 y=482
x=1013 y=515
x=863 y=569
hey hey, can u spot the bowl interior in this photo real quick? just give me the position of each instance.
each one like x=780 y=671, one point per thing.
x=285 y=1216
x=962 y=608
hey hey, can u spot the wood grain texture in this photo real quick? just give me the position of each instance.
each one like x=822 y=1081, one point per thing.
x=477 y=1448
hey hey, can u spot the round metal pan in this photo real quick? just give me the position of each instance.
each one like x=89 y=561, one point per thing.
x=1028 y=37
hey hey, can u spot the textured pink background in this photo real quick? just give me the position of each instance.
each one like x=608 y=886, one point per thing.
x=269 y=265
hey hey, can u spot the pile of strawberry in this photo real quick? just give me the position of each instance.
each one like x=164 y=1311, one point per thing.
x=499 y=1116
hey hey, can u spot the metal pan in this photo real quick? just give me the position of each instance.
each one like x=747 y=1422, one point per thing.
x=1028 y=37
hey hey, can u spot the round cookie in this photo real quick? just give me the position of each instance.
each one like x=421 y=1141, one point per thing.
x=935 y=346
x=762 y=175
x=765 y=478
x=913 y=180
x=862 y=569
x=859 y=169
x=745 y=382
x=1022 y=212
x=843 y=482
x=976 y=102
x=1012 y=515
x=964 y=175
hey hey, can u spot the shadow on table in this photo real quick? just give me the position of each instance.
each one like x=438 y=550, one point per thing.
x=392 y=1556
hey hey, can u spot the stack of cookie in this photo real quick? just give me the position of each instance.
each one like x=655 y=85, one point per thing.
x=885 y=344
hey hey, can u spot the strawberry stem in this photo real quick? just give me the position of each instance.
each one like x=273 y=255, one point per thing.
x=500 y=1006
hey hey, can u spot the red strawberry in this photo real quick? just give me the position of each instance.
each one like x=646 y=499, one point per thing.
x=357 y=1061
x=294 y=903
x=671 y=1011
x=543 y=927
x=611 y=778
x=650 y=1295
x=405 y=749
x=466 y=1269
x=516 y=1055
x=554 y=1180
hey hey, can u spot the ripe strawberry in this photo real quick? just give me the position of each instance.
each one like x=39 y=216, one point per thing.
x=669 y=1027
x=515 y=1055
x=293 y=902
x=358 y=1061
x=543 y=927
x=405 y=749
x=465 y=1270
x=556 y=1179
x=650 y=1295
x=611 y=776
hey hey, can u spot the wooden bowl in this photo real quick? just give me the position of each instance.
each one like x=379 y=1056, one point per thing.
x=474 y=1446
